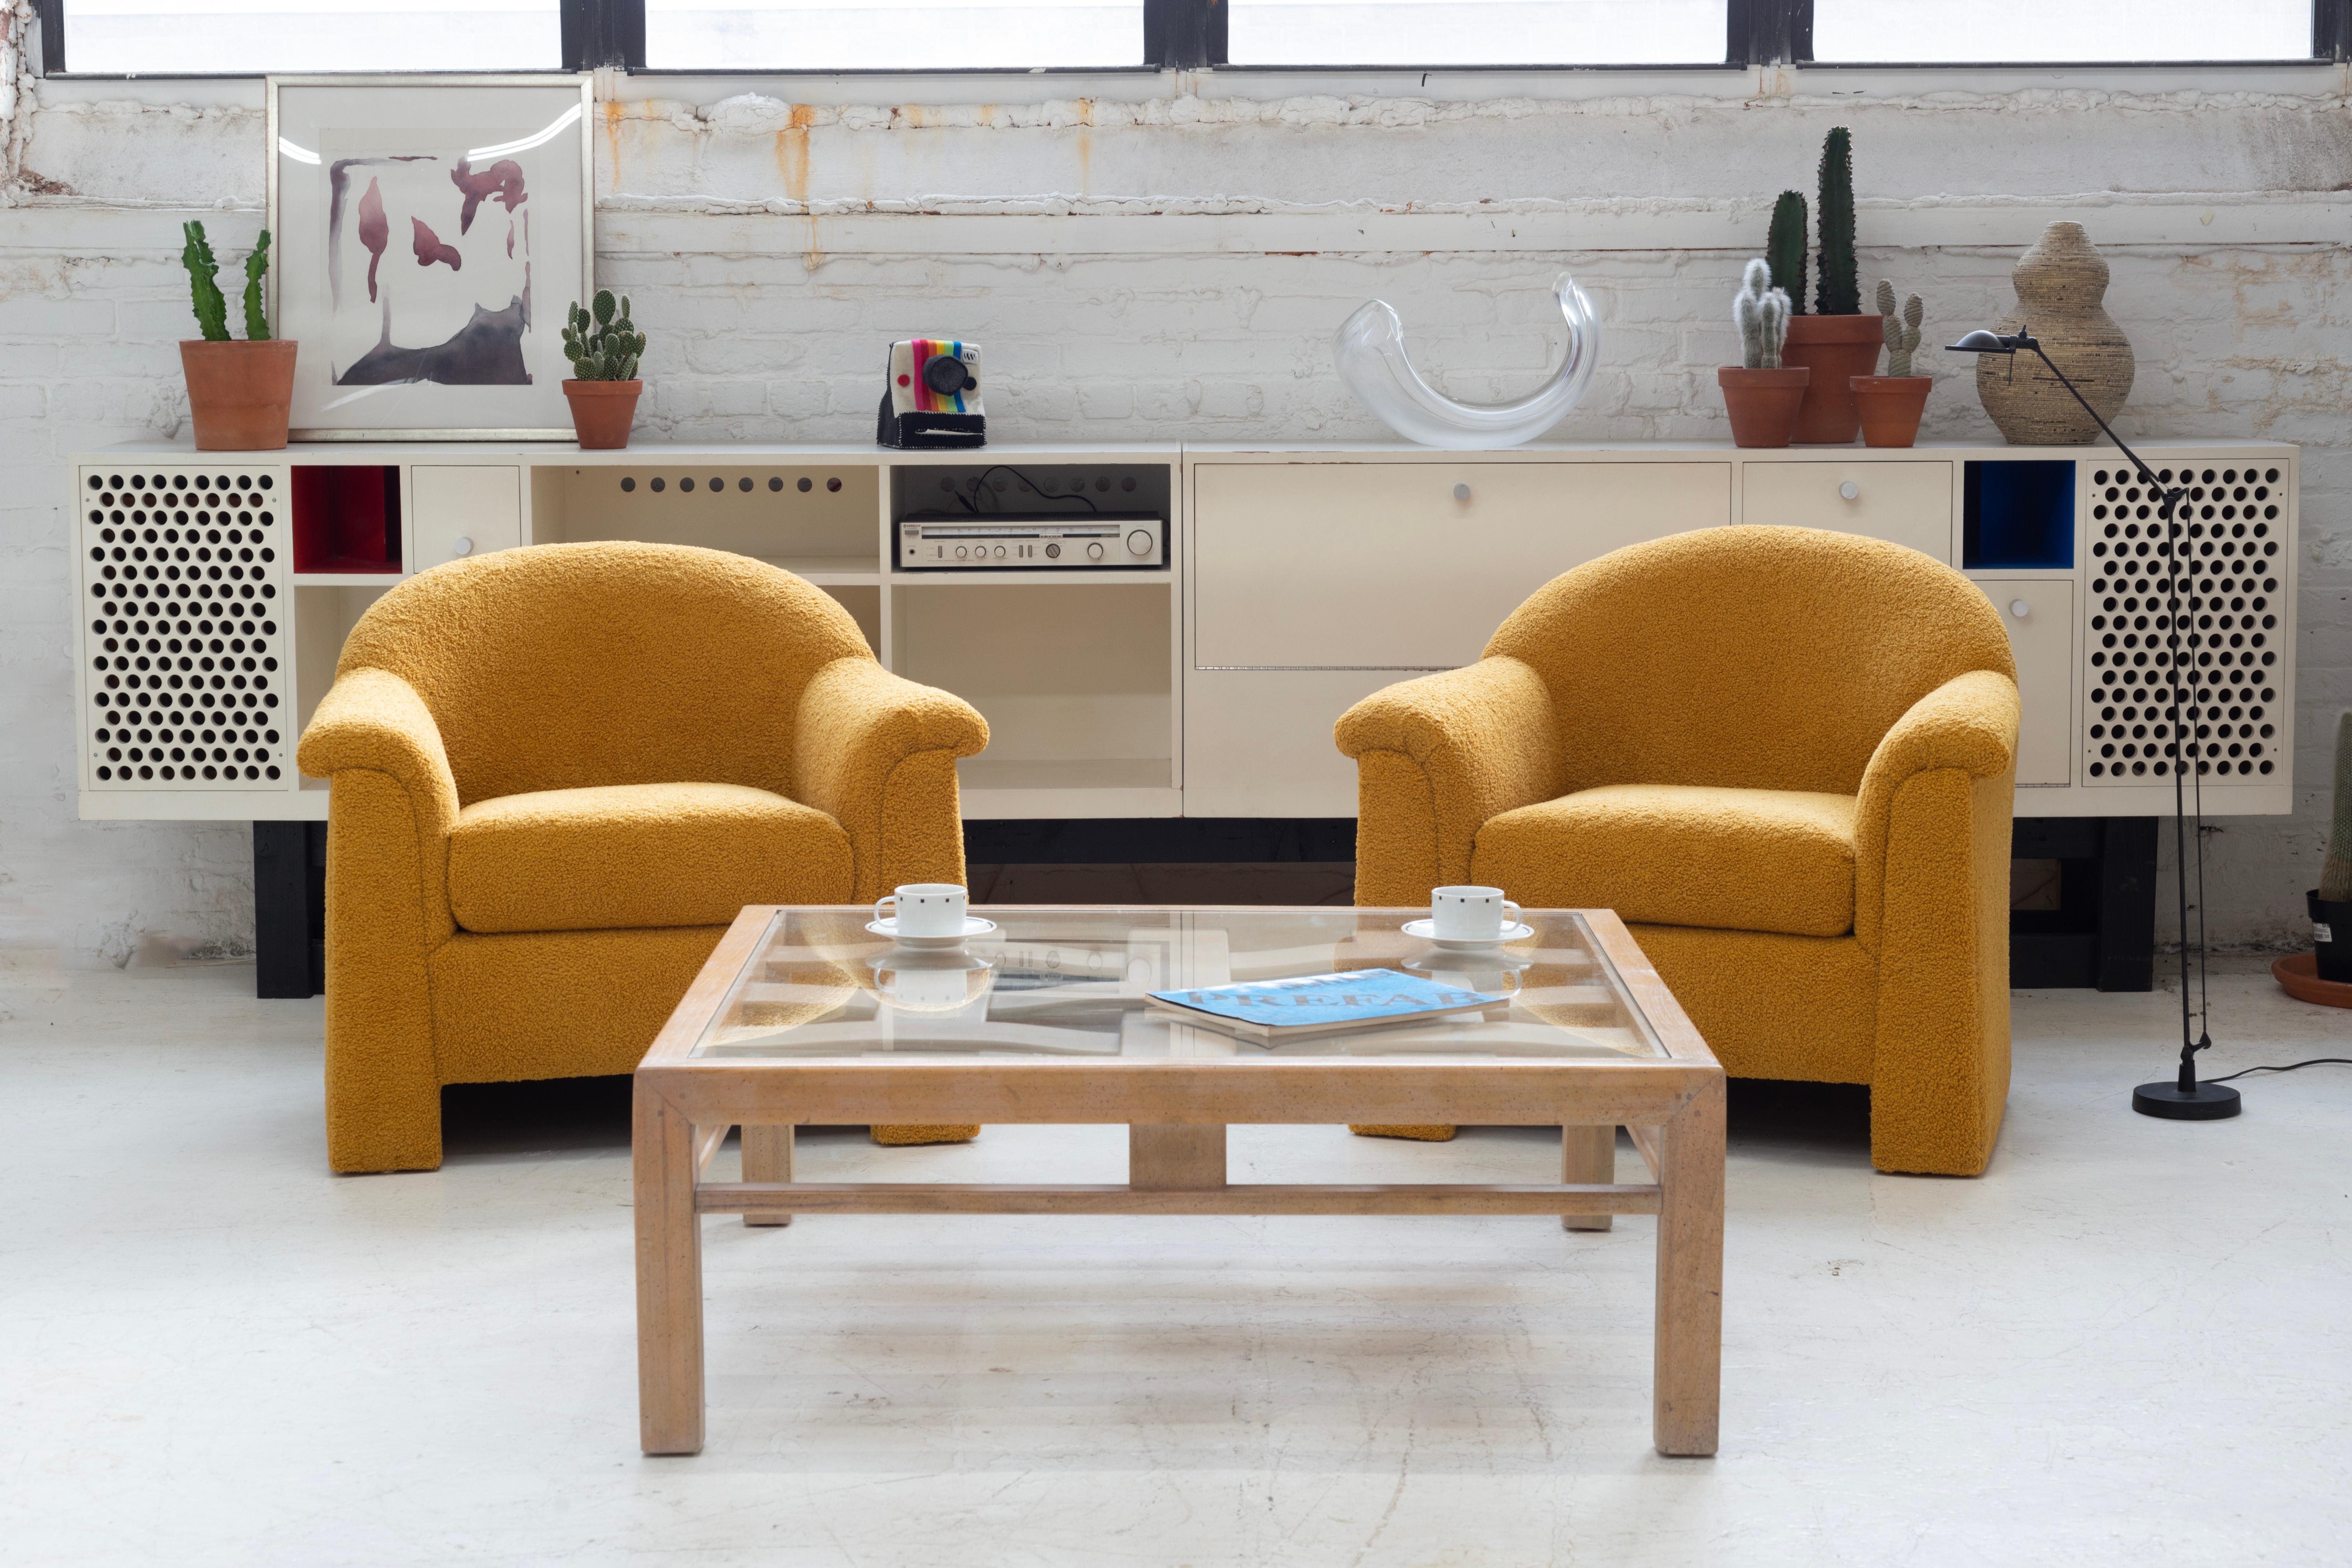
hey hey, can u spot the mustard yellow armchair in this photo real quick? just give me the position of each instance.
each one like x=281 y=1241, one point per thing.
x=558 y=772
x=1785 y=756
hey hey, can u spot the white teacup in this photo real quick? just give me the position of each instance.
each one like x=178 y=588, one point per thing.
x=1470 y=914
x=924 y=909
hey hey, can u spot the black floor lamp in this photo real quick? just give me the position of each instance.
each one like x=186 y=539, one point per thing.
x=2183 y=1098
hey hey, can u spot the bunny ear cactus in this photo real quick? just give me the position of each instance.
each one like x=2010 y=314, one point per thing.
x=1762 y=313
x=1902 y=332
x=600 y=341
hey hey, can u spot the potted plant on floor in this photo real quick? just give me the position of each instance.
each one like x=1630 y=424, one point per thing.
x=239 y=394
x=1837 y=342
x=1890 y=405
x=603 y=345
x=2331 y=901
x=1760 y=394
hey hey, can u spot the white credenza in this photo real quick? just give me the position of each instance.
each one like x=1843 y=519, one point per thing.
x=214 y=592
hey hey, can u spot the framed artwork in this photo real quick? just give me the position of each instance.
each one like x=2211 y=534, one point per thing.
x=427 y=234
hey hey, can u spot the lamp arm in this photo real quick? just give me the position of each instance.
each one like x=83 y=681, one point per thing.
x=2146 y=475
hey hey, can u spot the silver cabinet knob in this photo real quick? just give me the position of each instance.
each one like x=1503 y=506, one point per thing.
x=1849 y=490
x=2019 y=608
x=1461 y=492
x=461 y=545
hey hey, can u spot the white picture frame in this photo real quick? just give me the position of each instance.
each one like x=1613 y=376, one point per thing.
x=381 y=190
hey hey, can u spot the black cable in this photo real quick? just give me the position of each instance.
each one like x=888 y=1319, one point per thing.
x=981 y=480
x=2290 y=1067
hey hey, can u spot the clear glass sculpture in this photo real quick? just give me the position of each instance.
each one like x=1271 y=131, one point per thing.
x=1371 y=352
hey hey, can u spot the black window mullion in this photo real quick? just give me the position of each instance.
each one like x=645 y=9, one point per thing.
x=1768 y=32
x=598 y=32
x=52 y=15
x=2331 y=29
x=1179 y=35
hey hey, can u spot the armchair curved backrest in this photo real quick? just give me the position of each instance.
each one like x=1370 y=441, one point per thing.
x=569 y=666
x=1769 y=658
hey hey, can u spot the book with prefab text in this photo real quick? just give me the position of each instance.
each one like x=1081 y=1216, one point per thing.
x=1269 y=1010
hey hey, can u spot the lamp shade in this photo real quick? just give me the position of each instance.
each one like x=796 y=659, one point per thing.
x=1983 y=343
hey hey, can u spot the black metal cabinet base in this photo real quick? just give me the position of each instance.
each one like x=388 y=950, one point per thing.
x=2103 y=934
x=290 y=909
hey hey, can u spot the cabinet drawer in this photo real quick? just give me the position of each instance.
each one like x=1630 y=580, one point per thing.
x=463 y=512
x=1907 y=502
x=2040 y=615
x=1409 y=566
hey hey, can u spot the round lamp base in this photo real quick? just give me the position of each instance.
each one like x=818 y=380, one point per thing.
x=2205 y=1102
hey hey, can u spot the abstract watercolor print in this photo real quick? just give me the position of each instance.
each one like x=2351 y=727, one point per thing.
x=428 y=260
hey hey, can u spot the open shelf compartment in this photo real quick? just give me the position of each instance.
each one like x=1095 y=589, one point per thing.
x=346 y=519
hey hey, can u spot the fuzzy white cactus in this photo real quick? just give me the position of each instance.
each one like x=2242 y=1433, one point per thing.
x=1762 y=313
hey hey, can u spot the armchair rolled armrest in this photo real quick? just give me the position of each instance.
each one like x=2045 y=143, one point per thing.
x=876 y=752
x=1969 y=726
x=372 y=719
x=1436 y=758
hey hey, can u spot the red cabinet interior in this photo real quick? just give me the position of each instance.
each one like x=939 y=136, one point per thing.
x=346 y=518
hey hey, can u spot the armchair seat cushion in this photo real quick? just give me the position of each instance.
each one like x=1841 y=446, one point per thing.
x=625 y=855
x=1682 y=854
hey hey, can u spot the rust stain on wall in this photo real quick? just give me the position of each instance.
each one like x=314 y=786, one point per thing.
x=793 y=151
x=612 y=113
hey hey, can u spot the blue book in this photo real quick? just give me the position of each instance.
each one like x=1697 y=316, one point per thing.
x=1319 y=1004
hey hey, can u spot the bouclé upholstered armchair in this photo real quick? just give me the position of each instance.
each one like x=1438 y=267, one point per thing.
x=558 y=771
x=1785 y=756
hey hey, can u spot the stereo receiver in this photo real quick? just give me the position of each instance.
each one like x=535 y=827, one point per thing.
x=1016 y=541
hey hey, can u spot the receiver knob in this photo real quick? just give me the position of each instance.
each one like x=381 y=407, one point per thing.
x=959 y=552
x=1094 y=552
x=1052 y=552
x=1138 y=542
x=1849 y=490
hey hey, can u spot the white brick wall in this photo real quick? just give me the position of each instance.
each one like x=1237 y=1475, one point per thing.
x=1202 y=247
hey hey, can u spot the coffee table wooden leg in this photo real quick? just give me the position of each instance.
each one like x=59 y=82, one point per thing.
x=767 y=1156
x=669 y=1279
x=1587 y=1155
x=1689 y=1372
x=1174 y=1157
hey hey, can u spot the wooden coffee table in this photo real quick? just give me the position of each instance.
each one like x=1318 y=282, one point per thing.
x=801 y=1017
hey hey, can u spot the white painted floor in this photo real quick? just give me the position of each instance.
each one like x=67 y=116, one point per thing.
x=2129 y=1344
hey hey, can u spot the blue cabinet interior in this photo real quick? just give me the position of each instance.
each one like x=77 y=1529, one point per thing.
x=2017 y=513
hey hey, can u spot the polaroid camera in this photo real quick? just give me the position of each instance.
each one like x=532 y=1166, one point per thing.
x=933 y=400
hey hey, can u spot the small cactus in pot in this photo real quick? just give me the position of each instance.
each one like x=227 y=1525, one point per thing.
x=240 y=393
x=1890 y=405
x=1760 y=394
x=604 y=345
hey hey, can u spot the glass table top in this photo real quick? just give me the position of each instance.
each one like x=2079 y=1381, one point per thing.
x=1074 y=984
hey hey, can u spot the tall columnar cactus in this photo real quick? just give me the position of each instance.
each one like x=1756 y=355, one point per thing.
x=257 y=266
x=1784 y=247
x=603 y=346
x=1903 y=331
x=203 y=283
x=204 y=286
x=2336 y=871
x=1839 y=290
x=1762 y=313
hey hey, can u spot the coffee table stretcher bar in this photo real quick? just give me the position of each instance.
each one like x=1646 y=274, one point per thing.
x=1177 y=1112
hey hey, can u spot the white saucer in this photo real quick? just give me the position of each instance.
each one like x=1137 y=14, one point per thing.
x=974 y=926
x=1427 y=931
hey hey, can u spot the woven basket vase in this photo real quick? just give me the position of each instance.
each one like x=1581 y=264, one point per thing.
x=2061 y=283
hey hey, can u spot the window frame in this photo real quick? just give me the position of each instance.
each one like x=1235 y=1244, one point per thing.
x=1190 y=35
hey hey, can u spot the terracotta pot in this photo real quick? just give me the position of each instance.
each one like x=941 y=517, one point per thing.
x=238 y=392
x=602 y=413
x=1890 y=407
x=1837 y=348
x=2061 y=287
x=1762 y=404
x=2299 y=974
